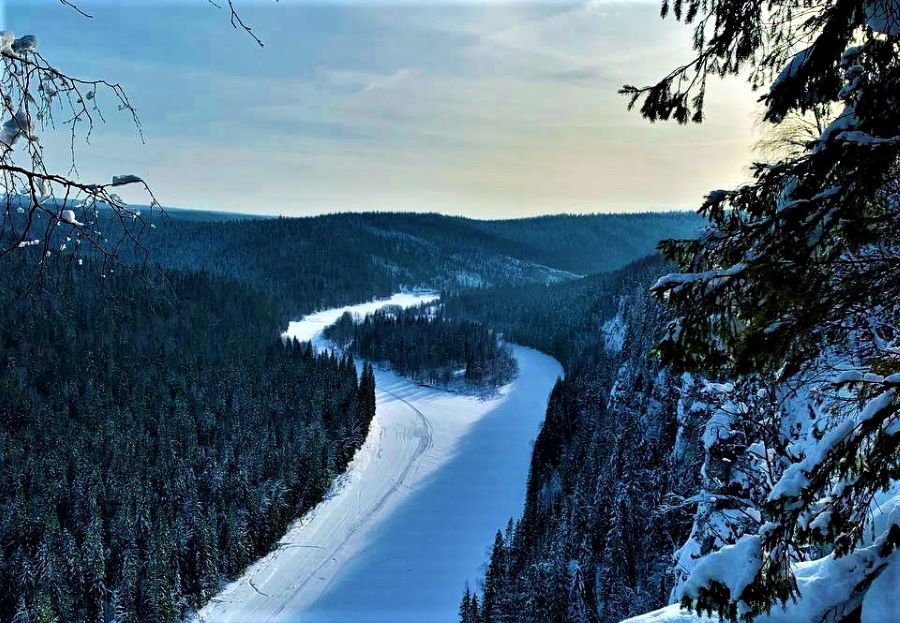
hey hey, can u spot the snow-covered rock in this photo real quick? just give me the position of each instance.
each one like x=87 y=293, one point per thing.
x=614 y=330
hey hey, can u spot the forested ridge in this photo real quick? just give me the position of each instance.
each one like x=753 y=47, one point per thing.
x=774 y=390
x=428 y=348
x=593 y=243
x=563 y=319
x=337 y=259
x=156 y=436
x=595 y=540
x=725 y=443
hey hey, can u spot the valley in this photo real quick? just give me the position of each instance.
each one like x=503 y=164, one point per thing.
x=408 y=521
x=457 y=341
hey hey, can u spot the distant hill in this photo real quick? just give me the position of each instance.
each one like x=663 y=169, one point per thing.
x=208 y=216
x=340 y=258
x=566 y=320
x=594 y=243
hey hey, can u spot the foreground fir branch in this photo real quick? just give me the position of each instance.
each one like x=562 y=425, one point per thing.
x=795 y=280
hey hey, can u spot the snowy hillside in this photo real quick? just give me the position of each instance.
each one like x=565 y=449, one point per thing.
x=346 y=258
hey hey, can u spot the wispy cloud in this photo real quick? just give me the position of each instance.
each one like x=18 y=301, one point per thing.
x=490 y=109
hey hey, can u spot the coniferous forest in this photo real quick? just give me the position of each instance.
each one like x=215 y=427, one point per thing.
x=599 y=525
x=154 y=441
x=721 y=438
x=121 y=381
x=343 y=258
x=429 y=349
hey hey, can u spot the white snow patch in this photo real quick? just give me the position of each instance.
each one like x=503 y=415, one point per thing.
x=309 y=328
x=68 y=216
x=675 y=281
x=672 y=614
x=793 y=67
x=735 y=566
x=614 y=330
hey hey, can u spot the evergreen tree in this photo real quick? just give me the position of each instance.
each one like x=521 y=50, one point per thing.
x=494 y=581
x=427 y=347
x=796 y=278
x=465 y=607
x=151 y=444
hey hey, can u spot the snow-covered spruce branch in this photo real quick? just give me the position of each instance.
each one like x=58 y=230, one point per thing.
x=836 y=451
x=676 y=281
x=794 y=283
x=822 y=501
x=858 y=377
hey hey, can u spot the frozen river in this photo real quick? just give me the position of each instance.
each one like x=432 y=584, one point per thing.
x=410 y=521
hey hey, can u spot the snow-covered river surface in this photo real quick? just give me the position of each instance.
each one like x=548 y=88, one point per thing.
x=410 y=521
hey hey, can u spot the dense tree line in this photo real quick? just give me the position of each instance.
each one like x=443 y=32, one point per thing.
x=562 y=319
x=595 y=540
x=155 y=437
x=429 y=349
x=342 y=258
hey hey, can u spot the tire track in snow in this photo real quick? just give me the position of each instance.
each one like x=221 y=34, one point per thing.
x=418 y=443
x=426 y=441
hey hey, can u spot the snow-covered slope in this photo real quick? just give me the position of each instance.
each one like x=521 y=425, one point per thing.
x=407 y=524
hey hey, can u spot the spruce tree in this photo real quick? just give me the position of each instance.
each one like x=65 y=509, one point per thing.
x=494 y=581
x=465 y=607
x=796 y=276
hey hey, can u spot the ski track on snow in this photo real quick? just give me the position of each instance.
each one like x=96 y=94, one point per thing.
x=410 y=520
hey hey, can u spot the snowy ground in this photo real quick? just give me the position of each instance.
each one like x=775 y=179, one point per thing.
x=407 y=525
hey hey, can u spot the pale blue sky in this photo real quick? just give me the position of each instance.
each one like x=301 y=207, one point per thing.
x=491 y=109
